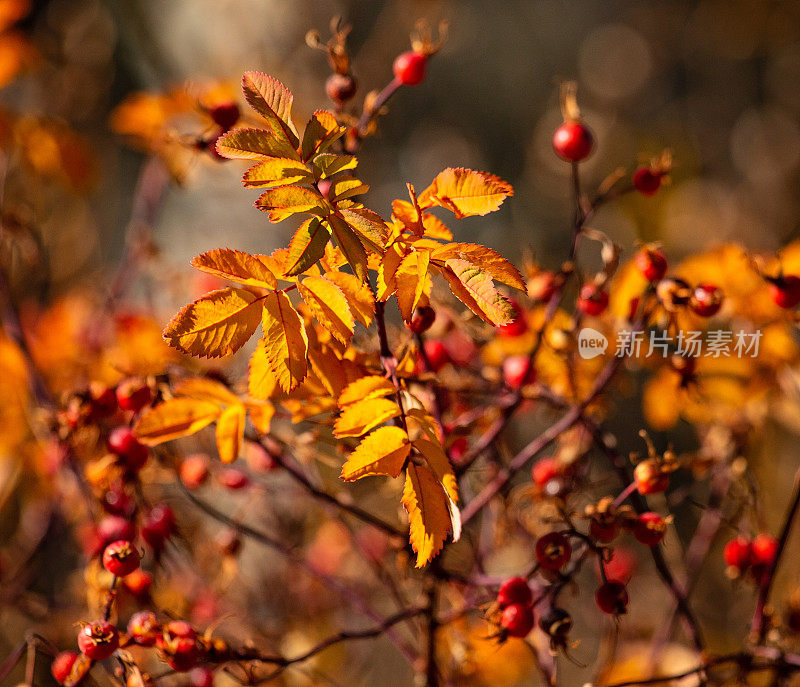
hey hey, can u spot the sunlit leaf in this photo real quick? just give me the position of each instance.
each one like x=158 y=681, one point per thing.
x=429 y=515
x=261 y=379
x=329 y=305
x=249 y=144
x=368 y=225
x=284 y=201
x=285 y=340
x=488 y=260
x=474 y=287
x=307 y=246
x=236 y=266
x=358 y=294
x=365 y=388
x=329 y=164
x=412 y=281
x=204 y=389
x=175 y=418
x=321 y=132
x=351 y=246
x=466 y=192
x=230 y=432
x=383 y=452
x=273 y=101
x=275 y=172
x=359 y=418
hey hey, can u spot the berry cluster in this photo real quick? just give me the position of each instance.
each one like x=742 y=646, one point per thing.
x=753 y=557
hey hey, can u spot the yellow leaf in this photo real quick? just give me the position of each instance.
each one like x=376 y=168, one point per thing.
x=346 y=187
x=437 y=460
x=285 y=341
x=261 y=415
x=236 y=266
x=350 y=245
x=359 y=418
x=358 y=294
x=204 y=389
x=230 y=432
x=412 y=281
x=273 y=101
x=428 y=512
x=261 y=381
x=329 y=164
x=321 y=132
x=474 y=287
x=285 y=201
x=365 y=388
x=251 y=144
x=275 y=172
x=329 y=306
x=488 y=260
x=178 y=417
x=383 y=452
x=368 y=225
x=307 y=246
x=216 y=324
x=466 y=192
x=328 y=367
x=387 y=272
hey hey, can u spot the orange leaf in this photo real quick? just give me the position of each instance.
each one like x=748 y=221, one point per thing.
x=204 y=389
x=230 y=433
x=358 y=294
x=412 y=281
x=488 y=260
x=329 y=306
x=383 y=452
x=368 y=225
x=276 y=172
x=249 y=144
x=350 y=245
x=273 y=101
x=429 y=516
x=359 y=418
x=307 y=246
x=466 y=192
x=260 y=415
x=285 y=340
x=284 y=201
x=474 y=287
x=261 y=381
x=178 y=417
x=366 y=388
x=321 y=132
x=236 y=266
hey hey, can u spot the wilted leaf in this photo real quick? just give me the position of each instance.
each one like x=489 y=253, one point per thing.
x=329 y=306
x=359 y=418
x=178 y=417
x=474 y=287
x=307 y=246
x=230 y=432
x=276 y=172
x=216 y=324
x=285 y=340
x=284 y=201
x=321 y=132
x=383 y=452
x=428 y=512
x=236 y=266
x=466 y=192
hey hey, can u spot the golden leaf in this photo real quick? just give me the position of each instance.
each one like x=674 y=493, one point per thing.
x=350 y=245
x=216 y=324
x=428 y=512
x=328 y=367
x=204 y=389
x=329 y=164
x=261 y=381
x=230 y=432
x=412 y=281
x=368 y=225
x=329 y=306
x=285 y=201
x=285 y=340
x=273 y=101
x=360 y=417
x=347 y=187
x=387 y=272
x=251 y=144
x=236 y=266
x=474 y=287
x=383 y=452
x=307 y=246
x=488 y=260
x=358 y=294
x=260 y=415
x=321 y=132
x=373 y=386
x=466 y=192
x=275 y=171
x=178 y=417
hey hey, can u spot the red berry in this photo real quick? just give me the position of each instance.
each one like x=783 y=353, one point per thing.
x=340 y=87
x=62 y=665
x=785 y=291
x=143 y=628
x=103 y=400
x=646 y=181
x=158 y=525
x=553 y=551
x=138 y=582
x=201 y=676
x=517 y=620
x=178 y=645
x=592 y=300
x=649 y=528
x=194 y=470
x=545 y=470
x=652 y=263
x=737 y=553
x=612 y=598
x=621 y=564
x=514 y=590
x=517 y=326
x=98 y=640
x=124 y=443
x=421 y=319
x=437 y=354
x=117 y=502
x=113 y=528
x=121 y=558
x=133 y=395
x=518 y=371
x=763 y=550
x=573 y=141
x=706 y=300
x=409 y=67
x=650 y=477
x=233 y=479
x=225 y=114
x=603 y=531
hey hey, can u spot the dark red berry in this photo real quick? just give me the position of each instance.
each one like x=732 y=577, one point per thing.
x=121 y=558
x=98 y=640
x=518 y=326
x=573 y=141
x=458 y=449
x=785 y=291
x=194 y=470
x=143 y=628
x=158 y=525
x=103 y=400
x=62 y=665
x=553 y=551
x=514 y=590
x=646 y=181
x=518 y=371
x=133 y=395
x=737 y=553
x=340 y=87
x=612 y=598
x=422 y=319
x=409 y=67
x=517 y=620
x=652 y=263
x=620 y=565
x=233 y=479
x=225 y=114
x=436 y=353
x=706 y=300
x=124 y=443
x=118 y=502
x=593 y=300
x=763 y=550
x=649 y=528
x=603 y=531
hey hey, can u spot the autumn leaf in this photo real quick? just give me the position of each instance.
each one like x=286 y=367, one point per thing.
x=436 y=458
x=350 y=245
x=307 y=246
x=346 y=187
x=175 y=418
x=273 y=101
x=360 y=417
x=387 y=271
x=285 y=201
x=368 y=225
x=373 y=386
x=285 y=341
x=358 y=294
x=321 y=132
x=412 y=281
x=251 y=144
x=488 y=260
x=428 y=512
x=236 y=266
x=216 y=324
x=204 y=389
x=474 y=287
x=261 y=379
x=260 y=414
x=383 y=452
x=466 y=192
x=328 y=164
x=276 y=172
x=329 y=306
x=230 y=432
